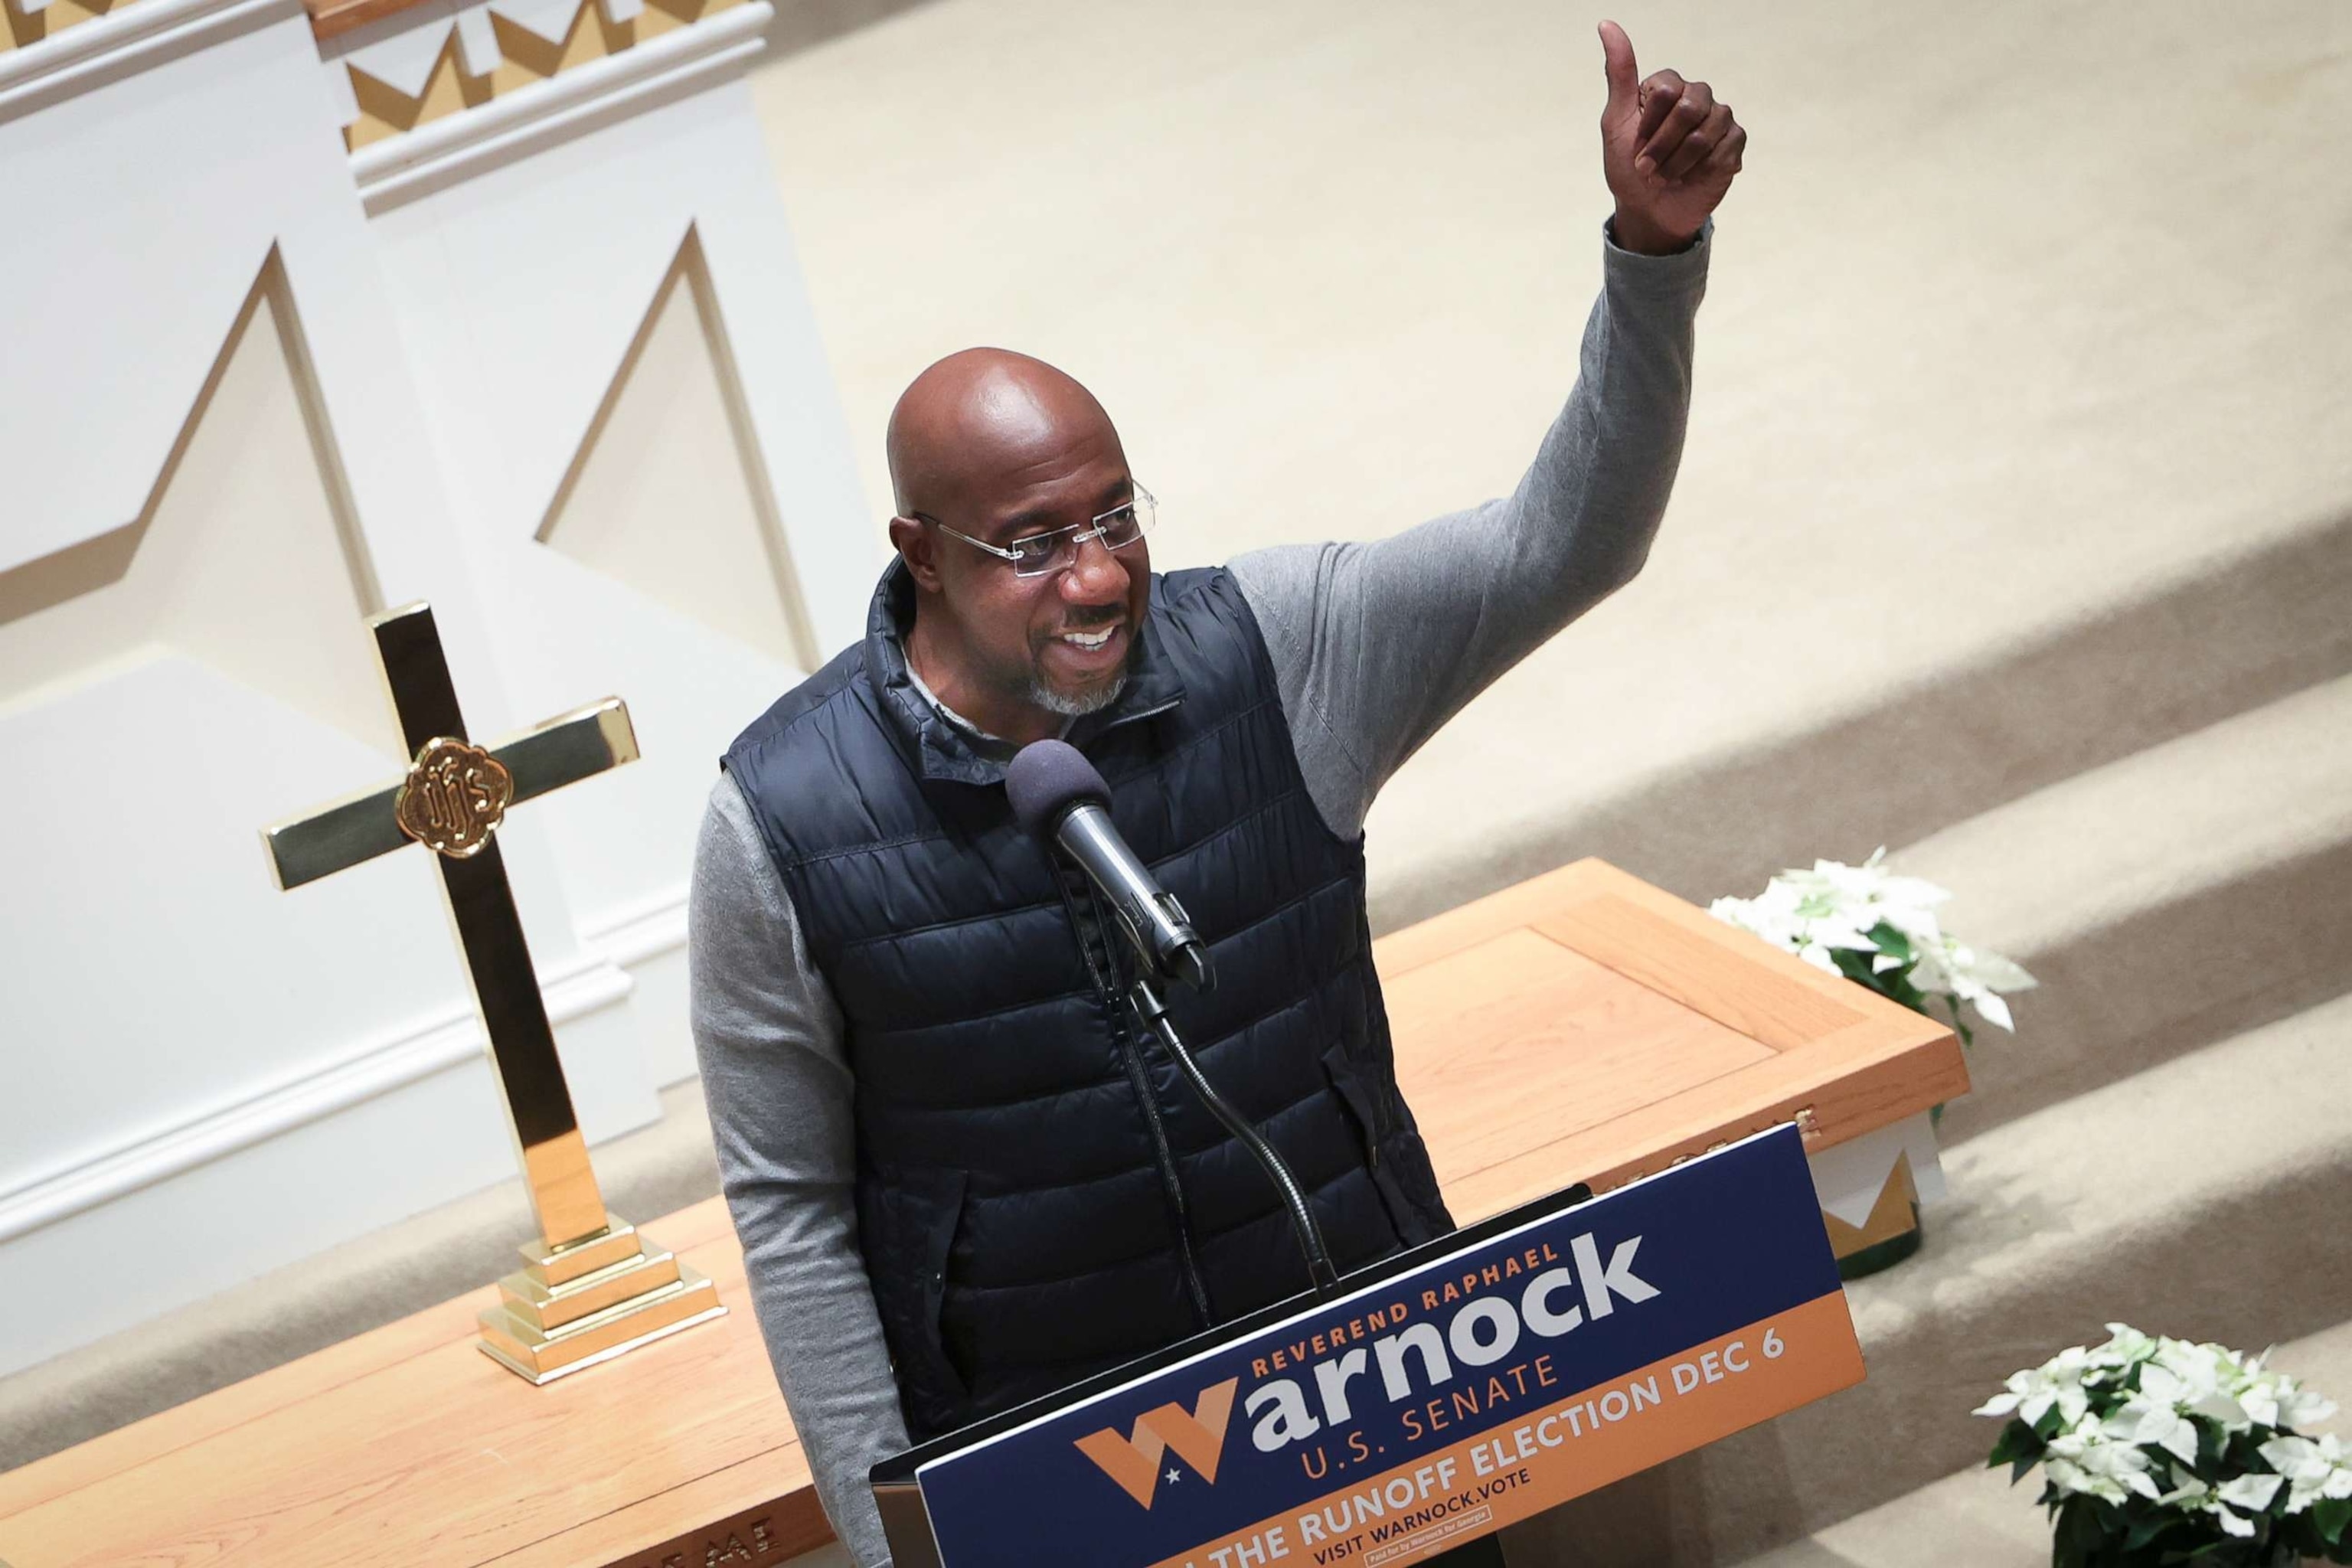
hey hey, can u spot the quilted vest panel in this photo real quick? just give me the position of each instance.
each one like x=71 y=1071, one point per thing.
x=1039 y=1196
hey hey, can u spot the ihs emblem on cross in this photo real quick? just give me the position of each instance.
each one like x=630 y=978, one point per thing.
x=454 y=798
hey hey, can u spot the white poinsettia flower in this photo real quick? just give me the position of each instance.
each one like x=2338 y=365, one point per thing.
x=1951 y=967
x=2197 y=1497
x=1990 y=969
x=1738 y=912
x=1783 y=916
x=2150 y=1419
x=2035 y=1392
x=2272 y=1399
x=2002 y=1404
x=2192 y=1392
x=2251 y=1492
x=2125 y=1347
x=2146 y=1402
x=1766 y=917
x=1989 y=1006
x=2199 y=1380
x=1835 y=906
x=2313 y=1469
x=1852 y=884
x=1908 y=904
x=2082 y=1460
x=2197 y=1365
x=2068 y=1477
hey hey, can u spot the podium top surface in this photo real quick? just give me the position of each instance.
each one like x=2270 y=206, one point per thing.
x=1583 y=1026
x=407 y=1445
x=1579 y=1027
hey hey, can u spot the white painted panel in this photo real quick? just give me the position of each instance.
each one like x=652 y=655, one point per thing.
x=146 y=867
x=244 y=561
x=836 y=530
x=91 y=397
x=226 y=1220
x=207 y=1077
x=521 y=290
x=660 y=499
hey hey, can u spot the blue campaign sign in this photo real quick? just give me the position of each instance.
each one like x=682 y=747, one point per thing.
x=1416 y=1412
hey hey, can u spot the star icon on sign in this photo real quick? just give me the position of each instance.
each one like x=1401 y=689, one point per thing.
x=1174 y=1476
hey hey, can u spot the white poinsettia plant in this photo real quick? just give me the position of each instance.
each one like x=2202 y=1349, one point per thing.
x=1880 y=930
x=2157 y=1451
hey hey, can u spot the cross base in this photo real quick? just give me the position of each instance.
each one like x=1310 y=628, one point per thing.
x=587 y=1302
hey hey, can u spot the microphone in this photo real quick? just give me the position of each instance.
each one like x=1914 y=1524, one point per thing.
x=1057 y=795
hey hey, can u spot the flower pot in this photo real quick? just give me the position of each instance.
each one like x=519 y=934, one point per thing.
x=1890 y=1235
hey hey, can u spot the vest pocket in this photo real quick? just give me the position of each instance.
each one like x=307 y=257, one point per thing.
x=922 y=1210
x=1363 y=1104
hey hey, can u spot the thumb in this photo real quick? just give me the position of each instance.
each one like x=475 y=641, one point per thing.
x=1624 y=86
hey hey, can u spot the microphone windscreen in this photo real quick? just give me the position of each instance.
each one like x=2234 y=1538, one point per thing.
x=1048 y=777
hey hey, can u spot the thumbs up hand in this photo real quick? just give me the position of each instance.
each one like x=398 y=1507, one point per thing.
x=1668 y=148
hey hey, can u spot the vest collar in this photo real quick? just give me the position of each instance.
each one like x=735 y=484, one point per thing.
x=939 y=750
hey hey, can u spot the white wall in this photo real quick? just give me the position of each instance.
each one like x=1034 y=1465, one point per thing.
x=237 y=414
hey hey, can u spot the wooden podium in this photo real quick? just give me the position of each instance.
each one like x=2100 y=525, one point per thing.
x=1579 y=1027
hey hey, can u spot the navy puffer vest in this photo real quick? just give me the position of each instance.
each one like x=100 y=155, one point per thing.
x=1039 y=1196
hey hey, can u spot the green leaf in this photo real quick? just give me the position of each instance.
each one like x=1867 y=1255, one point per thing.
x=2329 y=1516
x=2017 y=1441
x=1854 y=965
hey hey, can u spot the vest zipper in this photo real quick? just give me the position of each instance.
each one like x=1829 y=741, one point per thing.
x=1093 y=939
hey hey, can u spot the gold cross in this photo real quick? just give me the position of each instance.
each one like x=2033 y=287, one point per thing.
x=592 y=1288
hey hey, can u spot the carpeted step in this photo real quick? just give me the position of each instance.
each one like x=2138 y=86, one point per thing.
x=2201 y=1196
x=1704 y=806
x=2166 y=900
x=1976 y=1519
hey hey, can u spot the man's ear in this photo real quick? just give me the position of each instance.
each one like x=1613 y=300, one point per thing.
x=918 y=547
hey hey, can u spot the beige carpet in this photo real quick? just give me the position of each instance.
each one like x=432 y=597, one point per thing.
x=2019 y=315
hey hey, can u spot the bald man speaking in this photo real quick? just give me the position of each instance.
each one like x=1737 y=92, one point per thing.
x=963 y=1174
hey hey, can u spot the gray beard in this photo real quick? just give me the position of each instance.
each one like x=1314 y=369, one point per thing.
x=1079 y=705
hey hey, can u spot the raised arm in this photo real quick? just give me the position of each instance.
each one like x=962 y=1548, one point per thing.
x=768 y=1037
x=1376 y=645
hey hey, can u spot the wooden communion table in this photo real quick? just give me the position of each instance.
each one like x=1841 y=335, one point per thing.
x=1581 y=1026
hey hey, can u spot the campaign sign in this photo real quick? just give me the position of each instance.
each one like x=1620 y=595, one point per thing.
x=1417 y=1412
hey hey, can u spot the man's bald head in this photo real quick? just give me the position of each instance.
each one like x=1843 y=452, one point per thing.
x=993 y=447
x=984 y=417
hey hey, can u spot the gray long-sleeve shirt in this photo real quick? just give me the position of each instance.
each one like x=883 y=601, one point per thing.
x=1374 y=645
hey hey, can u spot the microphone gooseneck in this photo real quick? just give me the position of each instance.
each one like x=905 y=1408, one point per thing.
x=1058 y=796
x=1154 y=1012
